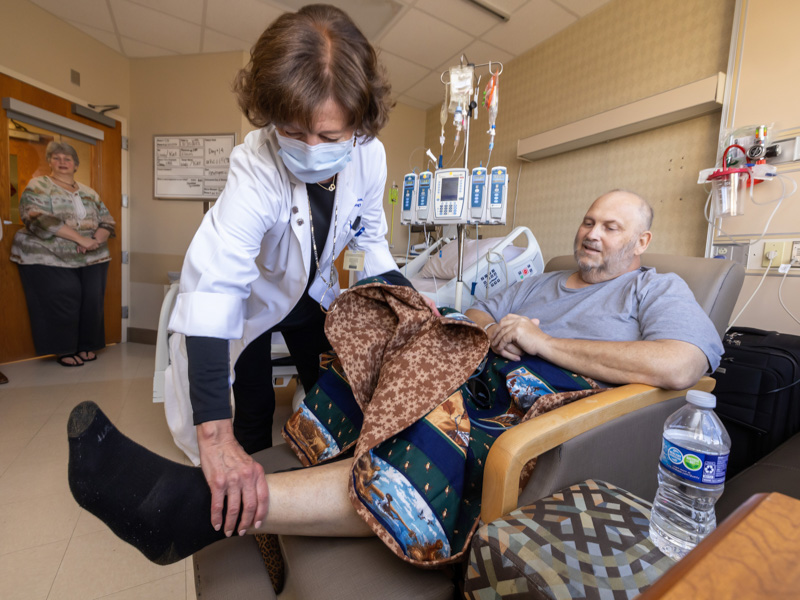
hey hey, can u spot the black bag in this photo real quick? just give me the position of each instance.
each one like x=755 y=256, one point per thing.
x=758 y=392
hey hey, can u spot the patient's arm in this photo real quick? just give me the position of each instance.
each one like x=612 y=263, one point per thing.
x=669 y=364
x=488 y=324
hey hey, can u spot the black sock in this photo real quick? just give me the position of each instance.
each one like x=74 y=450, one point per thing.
x=159 y=506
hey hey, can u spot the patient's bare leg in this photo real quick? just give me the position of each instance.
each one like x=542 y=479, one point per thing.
x=312 y=502
x=162 y=507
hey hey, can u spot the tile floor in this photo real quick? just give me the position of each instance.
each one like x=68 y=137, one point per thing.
x=50 y=548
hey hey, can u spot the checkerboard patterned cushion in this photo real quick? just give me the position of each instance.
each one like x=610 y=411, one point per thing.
x=587 y=541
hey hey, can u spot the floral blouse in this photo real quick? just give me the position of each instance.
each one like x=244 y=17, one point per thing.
x=44 y=208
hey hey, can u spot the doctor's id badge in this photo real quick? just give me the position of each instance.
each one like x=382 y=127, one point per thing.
x=354 y=260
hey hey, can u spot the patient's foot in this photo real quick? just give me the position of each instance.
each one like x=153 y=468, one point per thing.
x=159 y=506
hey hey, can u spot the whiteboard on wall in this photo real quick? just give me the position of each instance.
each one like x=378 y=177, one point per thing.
x=191 y=167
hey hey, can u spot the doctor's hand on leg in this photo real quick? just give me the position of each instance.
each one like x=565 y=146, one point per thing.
x=232 y=473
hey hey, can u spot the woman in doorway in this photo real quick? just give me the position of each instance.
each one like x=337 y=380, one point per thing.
x=63 y=260
x=304 y=186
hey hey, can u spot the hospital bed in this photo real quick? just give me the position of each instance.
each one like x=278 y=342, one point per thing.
x=500 y=262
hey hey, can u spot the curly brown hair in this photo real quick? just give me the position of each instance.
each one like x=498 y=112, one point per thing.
x=305 y=58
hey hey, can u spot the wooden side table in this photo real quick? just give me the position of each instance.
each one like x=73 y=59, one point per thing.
x=753 y=554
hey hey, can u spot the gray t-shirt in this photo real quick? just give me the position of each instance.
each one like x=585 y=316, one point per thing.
x=639 y=305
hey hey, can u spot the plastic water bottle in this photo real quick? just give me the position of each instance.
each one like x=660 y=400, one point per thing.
x=691 y=475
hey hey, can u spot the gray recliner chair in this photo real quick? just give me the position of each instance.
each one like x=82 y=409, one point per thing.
x=631 y=415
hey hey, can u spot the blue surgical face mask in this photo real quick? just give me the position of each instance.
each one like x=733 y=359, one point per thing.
x=314 y=163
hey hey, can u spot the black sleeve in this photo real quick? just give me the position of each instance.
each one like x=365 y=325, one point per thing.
x=209 y=389
x=396 y=278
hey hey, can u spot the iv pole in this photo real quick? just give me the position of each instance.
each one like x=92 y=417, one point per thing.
x=461 y=229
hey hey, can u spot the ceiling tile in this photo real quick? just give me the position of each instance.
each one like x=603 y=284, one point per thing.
x=89 y=12
x=430 y=90
x=460 y=14
x=581 y=7
x=107 y=38
x=423 y=39
x=529 y=26
x=219 y=42
x=402 y=73
x=137 y=49
x=478 y=52
x=154 y=28
x=242 y=19
x=188 y=10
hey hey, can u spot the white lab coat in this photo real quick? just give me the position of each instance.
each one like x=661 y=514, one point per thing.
x=248 y=263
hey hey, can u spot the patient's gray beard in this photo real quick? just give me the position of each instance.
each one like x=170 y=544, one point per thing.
x=613 y=265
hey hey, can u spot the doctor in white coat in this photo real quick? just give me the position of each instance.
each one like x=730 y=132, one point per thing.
x=300 y=190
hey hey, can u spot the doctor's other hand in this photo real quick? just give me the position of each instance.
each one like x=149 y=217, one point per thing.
x=432 y=305
x=515 y=335
x=231 y=472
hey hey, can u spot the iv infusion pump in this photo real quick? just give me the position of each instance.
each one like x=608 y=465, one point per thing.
x=455 y=196
x=409 y=198
x=449 y=196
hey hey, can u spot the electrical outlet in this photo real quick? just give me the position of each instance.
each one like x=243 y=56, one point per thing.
x=796 y=254
x=782 y=253
x=734 y=252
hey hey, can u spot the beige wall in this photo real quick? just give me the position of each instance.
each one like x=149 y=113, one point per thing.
x=622 y=52
x=767 y=91
x=42 y=49
x=403 y=138
x=180 y=94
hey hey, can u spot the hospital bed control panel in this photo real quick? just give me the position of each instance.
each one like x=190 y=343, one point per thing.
x=525 y=270
x=455 y=196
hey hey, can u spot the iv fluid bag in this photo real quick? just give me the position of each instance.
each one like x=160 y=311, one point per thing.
x=460 y=86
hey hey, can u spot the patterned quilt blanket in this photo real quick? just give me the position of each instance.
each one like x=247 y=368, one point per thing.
x=420 y=402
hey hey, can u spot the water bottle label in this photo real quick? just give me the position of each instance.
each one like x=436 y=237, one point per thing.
x=708 y=469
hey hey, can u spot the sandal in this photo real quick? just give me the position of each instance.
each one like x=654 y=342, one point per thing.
x=62 y=360
x=86 y=358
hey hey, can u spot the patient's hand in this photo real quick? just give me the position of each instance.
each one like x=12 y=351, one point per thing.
x=432 y=305
x=515 y=335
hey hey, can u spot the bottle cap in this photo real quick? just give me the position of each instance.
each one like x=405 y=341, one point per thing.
x=701 y=399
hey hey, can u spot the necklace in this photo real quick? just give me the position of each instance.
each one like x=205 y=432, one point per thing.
x=72 y=185
x=331 y=187
x=331 y=280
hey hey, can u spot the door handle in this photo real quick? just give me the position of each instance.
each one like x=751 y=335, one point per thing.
x=7 y=222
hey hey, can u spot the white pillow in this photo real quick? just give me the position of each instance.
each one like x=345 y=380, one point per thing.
x=446 y=266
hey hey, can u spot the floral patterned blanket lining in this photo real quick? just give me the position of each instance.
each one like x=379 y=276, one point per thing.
x=421 y=402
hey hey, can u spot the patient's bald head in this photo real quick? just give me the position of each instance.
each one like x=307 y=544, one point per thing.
x=630 y=201
x=614 y=233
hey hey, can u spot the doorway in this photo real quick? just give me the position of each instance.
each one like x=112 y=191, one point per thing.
x=22 y=148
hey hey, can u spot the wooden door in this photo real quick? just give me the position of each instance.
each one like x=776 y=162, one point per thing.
x=106 y=178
